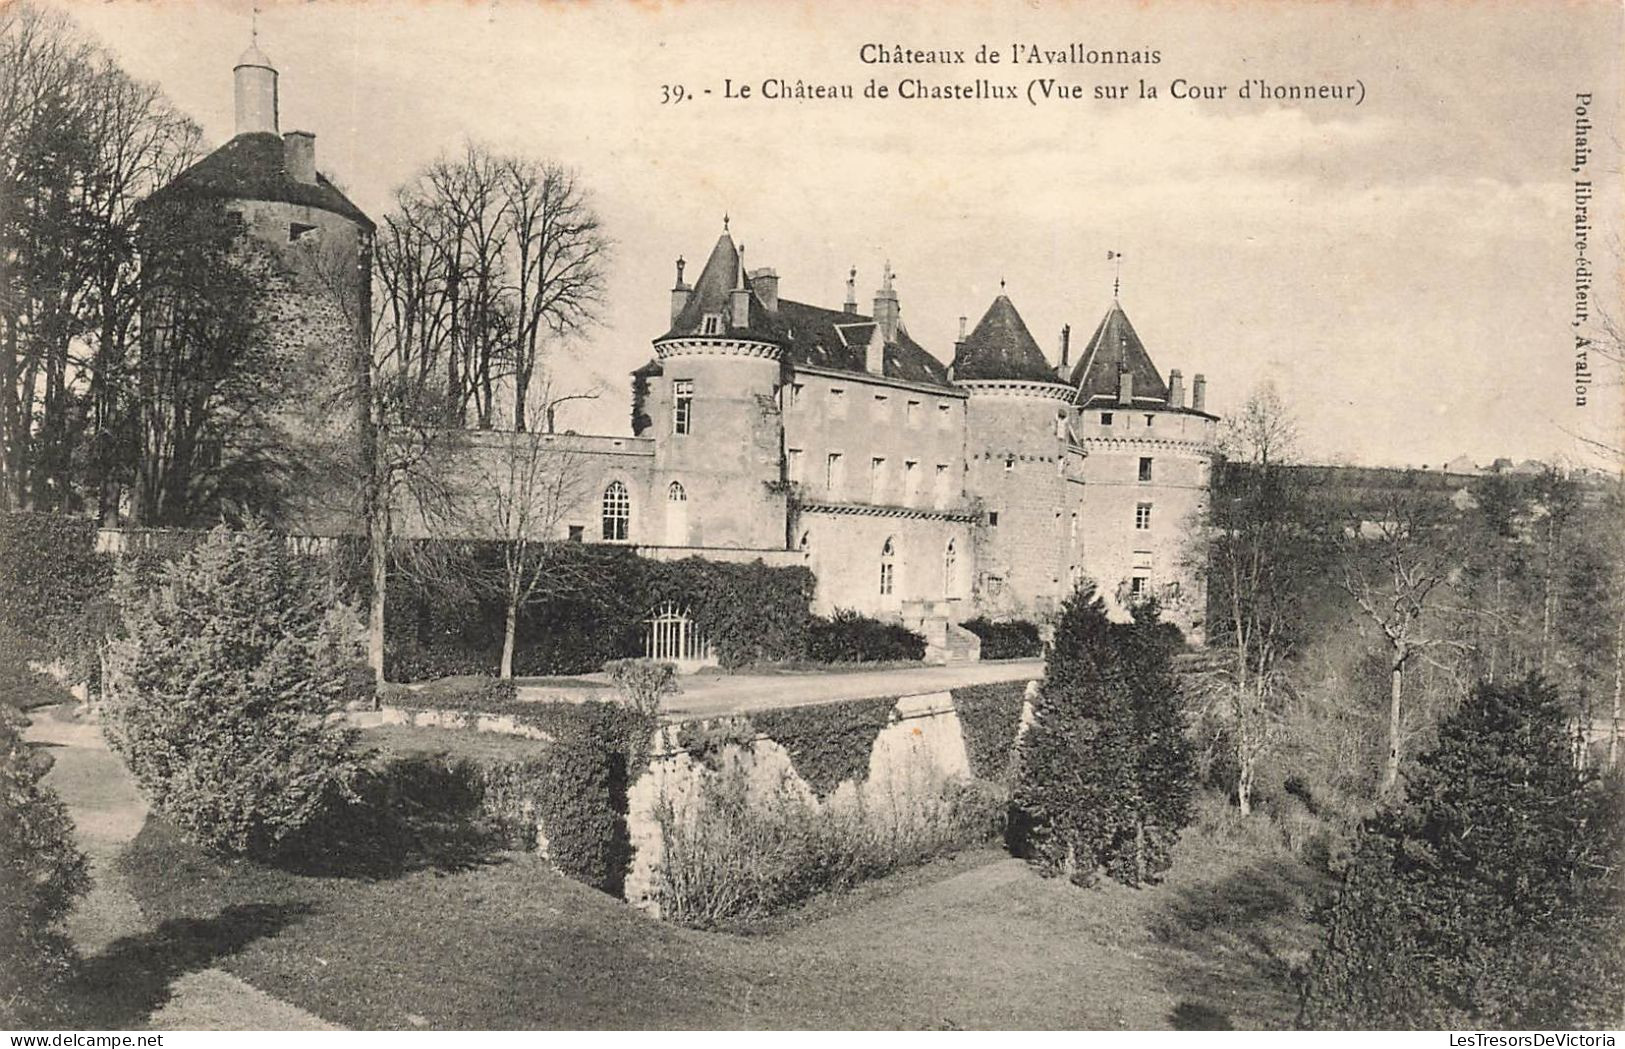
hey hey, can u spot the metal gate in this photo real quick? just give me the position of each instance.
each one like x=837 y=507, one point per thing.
x=670 y=637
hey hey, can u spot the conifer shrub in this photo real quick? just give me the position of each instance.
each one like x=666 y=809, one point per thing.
x=1104 y=776
x=221 y=688
x=42 y=873
x=1489 y=896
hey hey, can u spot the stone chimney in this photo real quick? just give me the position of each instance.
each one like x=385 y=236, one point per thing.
x=299 y=156
x=739 y=300
x=765 y=283
x=255 y=82
x=1125 y=385
x=887 y=310
x=1176 y=389
x=679 y=291
x=1199 y=392
x=852 y=291
x=1066 y=353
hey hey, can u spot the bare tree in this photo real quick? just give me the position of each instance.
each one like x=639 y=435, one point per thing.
x=557 y=254
x=1393 y=568
x=521 y=487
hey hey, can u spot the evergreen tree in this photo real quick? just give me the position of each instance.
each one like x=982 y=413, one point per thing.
x=1491 y=895
x=1104 y=770
x=1165 y=768
x=221 y=687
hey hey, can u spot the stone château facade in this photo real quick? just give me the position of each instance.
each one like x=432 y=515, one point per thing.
x=769 y=428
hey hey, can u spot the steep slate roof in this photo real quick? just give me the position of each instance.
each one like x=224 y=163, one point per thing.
x=250 y=167
x=810 y=336
x=1113 y=343
x=1001 y=347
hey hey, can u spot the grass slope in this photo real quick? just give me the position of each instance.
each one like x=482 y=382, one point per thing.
x=975 y=941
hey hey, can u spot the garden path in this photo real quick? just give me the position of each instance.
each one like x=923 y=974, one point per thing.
x=130 y=982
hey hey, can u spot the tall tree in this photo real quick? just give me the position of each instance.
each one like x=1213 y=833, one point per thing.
x=1262 y=547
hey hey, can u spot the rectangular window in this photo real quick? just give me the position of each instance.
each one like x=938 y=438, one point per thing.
x=942 y=484
x=837 y=403
x=792 y=463
x=877 y=479
x=945 y=416
x=1139 y=586
x=577 y=533
x=880 y=405
x=1145 y=468
x=993 y=518
x=1142 y=516
x=682 y=405
x=911 y=414
x=833 y=472
x=713 y=324
x=795 y=394
x=911 y=480
x=1105 y=418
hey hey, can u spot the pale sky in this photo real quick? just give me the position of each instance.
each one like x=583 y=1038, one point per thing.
x=1403 y=270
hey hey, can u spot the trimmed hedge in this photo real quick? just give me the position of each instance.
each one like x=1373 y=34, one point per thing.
x=1013 y=639
x=848 y=637
x=990 y=717
x=749 y=612
x=53 y=586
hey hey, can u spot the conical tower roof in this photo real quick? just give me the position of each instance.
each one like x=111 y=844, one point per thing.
x=1001 y=347
x=1114 y=345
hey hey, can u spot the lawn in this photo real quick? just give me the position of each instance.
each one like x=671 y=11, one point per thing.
x=973 y=941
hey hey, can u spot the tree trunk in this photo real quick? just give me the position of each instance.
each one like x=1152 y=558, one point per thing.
x=509 y=629
x=1390 y=775
x=1619 y=687
x=378 y=553
x=1244 y=785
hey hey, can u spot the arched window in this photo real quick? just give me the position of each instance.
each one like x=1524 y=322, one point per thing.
x=950 y=562
x=676 y=514
x=888 y=559
x=675 y=493
x=617 y=512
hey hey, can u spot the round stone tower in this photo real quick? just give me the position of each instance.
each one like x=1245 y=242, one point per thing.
x=1018 y=468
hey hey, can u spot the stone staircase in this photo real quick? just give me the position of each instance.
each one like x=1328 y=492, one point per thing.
x=946 y=642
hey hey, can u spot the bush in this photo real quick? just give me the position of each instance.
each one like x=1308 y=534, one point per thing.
x=643 y=682
x=848 y=637
x=1015 y=639
x=221 y=687
x=740 y=855
x=1104 y=774
x=1490 y=896
x=42 y=872
x=24 y=688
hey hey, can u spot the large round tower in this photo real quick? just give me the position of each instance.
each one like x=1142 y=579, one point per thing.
x=309 y=249
x=1018 y=467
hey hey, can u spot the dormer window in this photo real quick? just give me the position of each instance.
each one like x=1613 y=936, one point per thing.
x=298 y=230
x=712 y=324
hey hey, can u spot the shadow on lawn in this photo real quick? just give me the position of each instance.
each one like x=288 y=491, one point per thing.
x=118 y=988
x=1237 y=938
